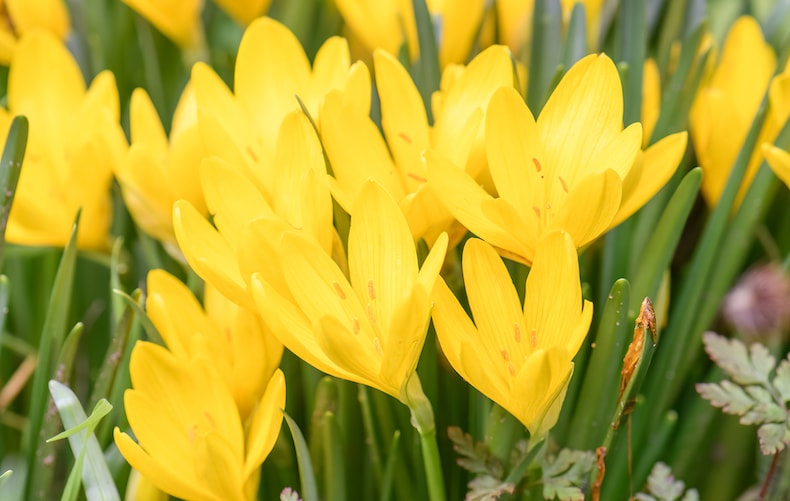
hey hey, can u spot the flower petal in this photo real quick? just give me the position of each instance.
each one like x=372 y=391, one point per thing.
x=589 y=208
x=265 y=426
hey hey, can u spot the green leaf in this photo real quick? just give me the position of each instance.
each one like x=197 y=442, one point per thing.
x=10 y=168
x=334 y=463
x=726 y=395
x=426 y=72
x=744 y=366
x=488 y=488
x=4 y=478
x=51 y=340
x=773 y=437
x=662 y=486
x=566 y=473
x=545 y=52
x=475 y=456
x=309 y=489
x=90 y=464
x=388 y=476
x=145 y=321
x=782 y=379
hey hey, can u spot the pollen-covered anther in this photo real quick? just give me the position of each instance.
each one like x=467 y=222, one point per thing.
x=251 y=153
x=533 y=338
x=505 y=355
x=512 y=369
x=210 y=419
x=371 y=290
x=537 y=210
x=192 y=432
x=406 y=138
x=538 y=167
x=355 y=325
x=517 y=332
x=563 y=183
x=417 y=177
x=371 y=314
x=339 y=290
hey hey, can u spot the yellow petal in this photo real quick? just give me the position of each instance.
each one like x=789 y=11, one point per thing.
x=330 y=72
x=473 y=207
x=271 y=67
x=405 y=338
x=514 y=151
x=244 y=12
x=208 y=253
x=231 y=198
x=539 y=386
x=356 y=149
x=52 y=15
x=356 y=354
x=176 y=19
x=459 y=21
x=266 y=422
x=570 y=114
x=590 y=207
x=779 y=160
x=218 y=465
x=301 y=193
x=144 y=123
x=158 y=473
x=494 y=302
x=652 y=170
x=381 y=254
x=651 y=99
x=403 y=116
x=553 y=297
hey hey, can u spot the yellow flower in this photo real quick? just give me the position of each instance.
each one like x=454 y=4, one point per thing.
x=725 y=107
x=242 y=351
x=574 y=169
x=514 y=19
x=369 y=329
x=18 y=17
x=178 y=20
x=779 y=160
x=519 y=358
x=272 y=71
x=205 y=410
x=388 y=24
x=191 y=442
x=74 y=140
x=651 y=99
x=157 y=172
x=244 y=11
x=357 y=151
x=296 y=195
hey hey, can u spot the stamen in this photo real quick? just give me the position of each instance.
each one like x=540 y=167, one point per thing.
x=192 y=432
x=405 y=137
x=538 y=167
x=537 y=211
x=505 y=355
x=210 y=419
x=339 y=291
x=371 y=290
x=563 y=183
x=417 y=177
x=533 y=338
x=371 y=314
x=251 y=153
x=517 y=329
x=511 y=369
x=355 y=325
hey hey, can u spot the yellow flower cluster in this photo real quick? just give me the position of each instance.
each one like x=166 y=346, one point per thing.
x=242 y=189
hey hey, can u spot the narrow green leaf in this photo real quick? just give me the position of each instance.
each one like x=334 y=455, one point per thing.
x=142 y=316
x=576 y=38
x=545 y=52
x=96 y=478
x=51 y=340
x=426 y=71
x=598 y=395
x=3 y=307
x=309 y=489
x=10 y=167
x=334 y=459
x=117 y=306
x=12 y=484
x=393 y=456
x=662 y=242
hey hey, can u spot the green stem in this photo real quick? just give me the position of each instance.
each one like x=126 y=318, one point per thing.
x=423 y=420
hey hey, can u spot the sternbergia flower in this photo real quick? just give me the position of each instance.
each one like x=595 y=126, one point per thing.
x=726 y=105
x=369 y=327
x=18 y=17
x=574 y=168
x=295 y=196
x=389 y=24
x=178 y=20
x=159 y=171
x=206 y=409
x=779 y=160
x=521 y=358
x=272 y=76
x=74 y=140
x=357 y=151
